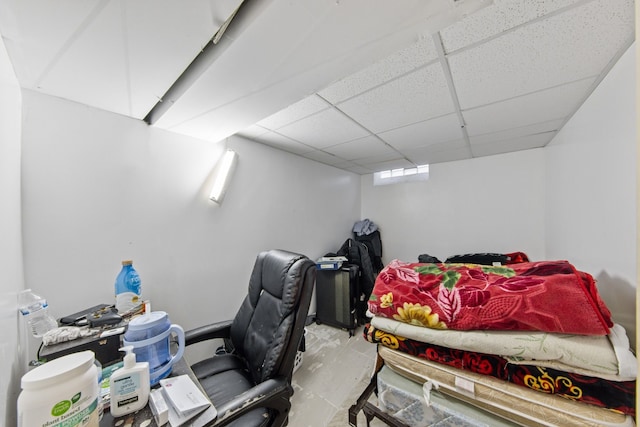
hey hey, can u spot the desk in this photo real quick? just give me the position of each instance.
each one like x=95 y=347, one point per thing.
x=144 y=417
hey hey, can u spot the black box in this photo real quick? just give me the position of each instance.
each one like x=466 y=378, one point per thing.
x=106 y=348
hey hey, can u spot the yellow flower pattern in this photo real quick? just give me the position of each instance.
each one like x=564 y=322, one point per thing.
x=419 y=315
x=386 y=300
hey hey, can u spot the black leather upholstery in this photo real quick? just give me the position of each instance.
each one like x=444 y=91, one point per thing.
x=252 y=386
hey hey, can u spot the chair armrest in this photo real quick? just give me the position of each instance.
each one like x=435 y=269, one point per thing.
x=208 y=332
x=273 y=393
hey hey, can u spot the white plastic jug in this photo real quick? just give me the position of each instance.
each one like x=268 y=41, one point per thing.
x=149 y=335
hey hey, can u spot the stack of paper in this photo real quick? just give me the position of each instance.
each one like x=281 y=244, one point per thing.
x=184 y=399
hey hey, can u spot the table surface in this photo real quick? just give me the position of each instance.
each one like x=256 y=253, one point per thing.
x=144 y=417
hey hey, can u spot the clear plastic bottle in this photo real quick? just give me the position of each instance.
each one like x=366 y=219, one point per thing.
x=35 y=310
x=128 y=288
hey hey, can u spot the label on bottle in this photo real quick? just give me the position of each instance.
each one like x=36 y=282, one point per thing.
x=126 y=301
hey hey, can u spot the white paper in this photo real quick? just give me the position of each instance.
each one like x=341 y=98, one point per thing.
x=184 y=399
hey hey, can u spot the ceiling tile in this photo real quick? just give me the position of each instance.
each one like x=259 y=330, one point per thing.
x=294 y=112
x=544 y=127
x=35 y=32
x=253 y=131
x=510 y=145
x=326 y=128
x=402 y=62
x=424 y=133
x=351 y=167
x=155 y=59
x=538 y=107
x=444 y=152
x=361 y=148
x=499 y=17
x=323 y=157
x=93 y=69
x=418 y=96
x=388 y=165
x=544 y=54
x=283 y=143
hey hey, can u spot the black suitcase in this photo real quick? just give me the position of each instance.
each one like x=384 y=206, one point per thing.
x=337 y=295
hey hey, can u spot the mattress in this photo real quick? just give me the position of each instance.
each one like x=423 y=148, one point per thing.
x=405 y=401
x=515 y=403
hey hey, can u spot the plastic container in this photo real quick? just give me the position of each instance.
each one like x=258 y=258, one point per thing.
x=129 y=385
x=149 y=335
x=63 y=391
x=128 y=288
x=35 y=310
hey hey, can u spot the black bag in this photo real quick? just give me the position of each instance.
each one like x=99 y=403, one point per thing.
x=357 y=253
x=374 y=244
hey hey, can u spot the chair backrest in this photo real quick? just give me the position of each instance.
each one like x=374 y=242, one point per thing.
x=269 y=325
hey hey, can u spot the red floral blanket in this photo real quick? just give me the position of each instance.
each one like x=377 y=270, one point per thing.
x=550 y=296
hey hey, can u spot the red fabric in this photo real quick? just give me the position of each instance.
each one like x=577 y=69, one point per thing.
x=550 y=296
x=516 y=257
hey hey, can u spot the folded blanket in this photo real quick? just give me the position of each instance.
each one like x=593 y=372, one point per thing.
x=549 y=296
x=616 y=395
x=600 y=356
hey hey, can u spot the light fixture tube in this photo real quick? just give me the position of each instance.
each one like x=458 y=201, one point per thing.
x=222 y=175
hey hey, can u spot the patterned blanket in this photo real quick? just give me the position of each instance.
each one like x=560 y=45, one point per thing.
x=616 y=395
x=549 y=296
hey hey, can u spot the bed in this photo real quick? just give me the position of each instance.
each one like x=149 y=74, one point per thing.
x=531 y=341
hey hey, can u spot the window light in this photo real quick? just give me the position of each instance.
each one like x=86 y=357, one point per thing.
x=394 y=176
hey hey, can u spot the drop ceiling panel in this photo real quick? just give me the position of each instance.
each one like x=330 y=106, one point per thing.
x=326 y=128
x=518 y=132
x=275 y=140
x=497 y=18
x=393 y=66
x=36 y=31
x=515 y=144
x=93 y=69
x=156 y=58
x=362 y=148
x=424 y=133
x=301 y=109
x=323 y=157
x=387 y=165
x=443 y=152
x=543 y=54
x=415 y=97
x=348 y=166
x=300 y=47
x=538 y=107
x=253 y=131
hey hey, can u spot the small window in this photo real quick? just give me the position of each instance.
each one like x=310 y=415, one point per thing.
x=394 y=176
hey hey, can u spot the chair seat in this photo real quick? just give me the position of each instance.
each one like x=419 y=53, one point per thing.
x=223 y=378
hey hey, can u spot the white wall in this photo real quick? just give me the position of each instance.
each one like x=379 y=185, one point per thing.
x=591 y=190
x=11 y=280
x=488 y=204
x=99 y=188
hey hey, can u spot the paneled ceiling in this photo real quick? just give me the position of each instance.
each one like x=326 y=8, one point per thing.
x=362 y=85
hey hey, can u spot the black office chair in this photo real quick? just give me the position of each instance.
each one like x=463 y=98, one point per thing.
x=250 y=384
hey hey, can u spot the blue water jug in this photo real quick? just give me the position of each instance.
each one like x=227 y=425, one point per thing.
x=149 y=335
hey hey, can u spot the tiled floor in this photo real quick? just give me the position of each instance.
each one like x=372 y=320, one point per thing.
x=335 y=370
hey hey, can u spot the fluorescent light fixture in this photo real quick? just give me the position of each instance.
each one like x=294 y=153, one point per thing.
x=222 y=175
